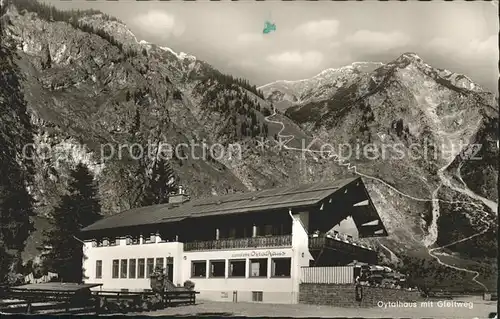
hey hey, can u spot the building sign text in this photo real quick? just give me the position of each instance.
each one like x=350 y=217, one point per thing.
x=256 y=253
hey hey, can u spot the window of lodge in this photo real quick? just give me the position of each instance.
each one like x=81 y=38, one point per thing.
x=159 y=262
x=237 y=268
x=123 y=272
x=116 y=268
x=257 y=295
x=218 y=268
x=258 y=267
x=268 y=230
x=98 y=269
x=281 y=267
x=141 y=270
x=278 y=230
x=247 y=231
x=198 y=269
x=132 y=268
x=150 y=266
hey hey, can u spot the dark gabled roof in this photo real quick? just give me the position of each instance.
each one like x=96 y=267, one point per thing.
x=263 y=200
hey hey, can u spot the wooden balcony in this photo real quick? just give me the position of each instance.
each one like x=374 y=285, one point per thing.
x=238 y=243
x=346 y=247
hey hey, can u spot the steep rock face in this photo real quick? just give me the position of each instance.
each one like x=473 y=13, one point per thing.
x=480 y=173
x=91 y=97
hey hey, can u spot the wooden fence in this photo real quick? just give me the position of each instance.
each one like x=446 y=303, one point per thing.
x=327 y=275
x=98 y=302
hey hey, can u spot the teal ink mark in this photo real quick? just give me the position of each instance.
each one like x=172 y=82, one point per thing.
x=269 y=27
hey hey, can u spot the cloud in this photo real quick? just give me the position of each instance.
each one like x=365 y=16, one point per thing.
x=474 y=50
x=249 y=38
x=296 y=59
x=159 y=23
x=488 y=47
x=321 y=29
x=377 y=42
x=477 y=58
x=244 y=63
x=334 y=45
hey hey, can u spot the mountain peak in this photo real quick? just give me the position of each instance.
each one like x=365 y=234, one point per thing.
x=442 y=76
x=320 y=86
x=411 y=55
x=408 y=57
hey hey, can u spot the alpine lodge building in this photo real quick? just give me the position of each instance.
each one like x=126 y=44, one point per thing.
x=249 y=246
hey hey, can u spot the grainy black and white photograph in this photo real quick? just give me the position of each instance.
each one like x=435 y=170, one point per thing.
x=249 y=158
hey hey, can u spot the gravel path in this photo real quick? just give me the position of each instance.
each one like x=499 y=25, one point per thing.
x=480 y=309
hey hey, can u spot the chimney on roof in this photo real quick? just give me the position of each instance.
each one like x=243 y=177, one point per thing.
x=179 y=197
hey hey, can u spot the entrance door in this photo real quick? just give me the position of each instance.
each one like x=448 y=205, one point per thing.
x=170 y=268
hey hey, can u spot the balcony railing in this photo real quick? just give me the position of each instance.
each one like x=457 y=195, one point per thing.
x=253 y=242
x=340 y=238
x=337 y=244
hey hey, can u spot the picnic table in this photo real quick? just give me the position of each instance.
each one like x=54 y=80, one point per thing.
x=72 y=294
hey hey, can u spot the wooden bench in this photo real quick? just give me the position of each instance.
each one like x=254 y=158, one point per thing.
x=174 y=297
x=177 y=297
x=101 y=297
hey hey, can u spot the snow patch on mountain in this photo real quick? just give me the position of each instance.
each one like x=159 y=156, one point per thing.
x=321 y=86
x=324 y=85
x=181 y=55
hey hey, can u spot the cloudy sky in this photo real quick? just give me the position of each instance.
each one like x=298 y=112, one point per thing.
x=313 y=36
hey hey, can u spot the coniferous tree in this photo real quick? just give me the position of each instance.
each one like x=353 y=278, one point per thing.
x=5 y=263
x=265 y=130
x=80 y=207
x=16 y=168
x=243 y=128
x=162 y=182
x=253 y=117
x=137 y=123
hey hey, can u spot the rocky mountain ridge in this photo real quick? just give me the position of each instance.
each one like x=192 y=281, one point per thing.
x=322 y=86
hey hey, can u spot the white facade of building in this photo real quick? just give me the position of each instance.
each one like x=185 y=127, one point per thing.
x=255 y=274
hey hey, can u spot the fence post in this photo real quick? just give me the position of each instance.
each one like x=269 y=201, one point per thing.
x=28 y=307
x=97 y=304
